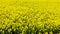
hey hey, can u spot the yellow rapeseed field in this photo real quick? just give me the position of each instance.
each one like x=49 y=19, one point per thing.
x=29 y=16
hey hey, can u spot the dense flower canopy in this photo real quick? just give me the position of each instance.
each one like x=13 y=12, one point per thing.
x=18 y=17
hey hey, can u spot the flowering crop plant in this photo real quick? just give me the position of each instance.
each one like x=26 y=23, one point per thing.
x=29 y=17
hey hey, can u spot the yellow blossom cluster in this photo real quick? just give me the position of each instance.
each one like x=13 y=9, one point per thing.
x=18 y=17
